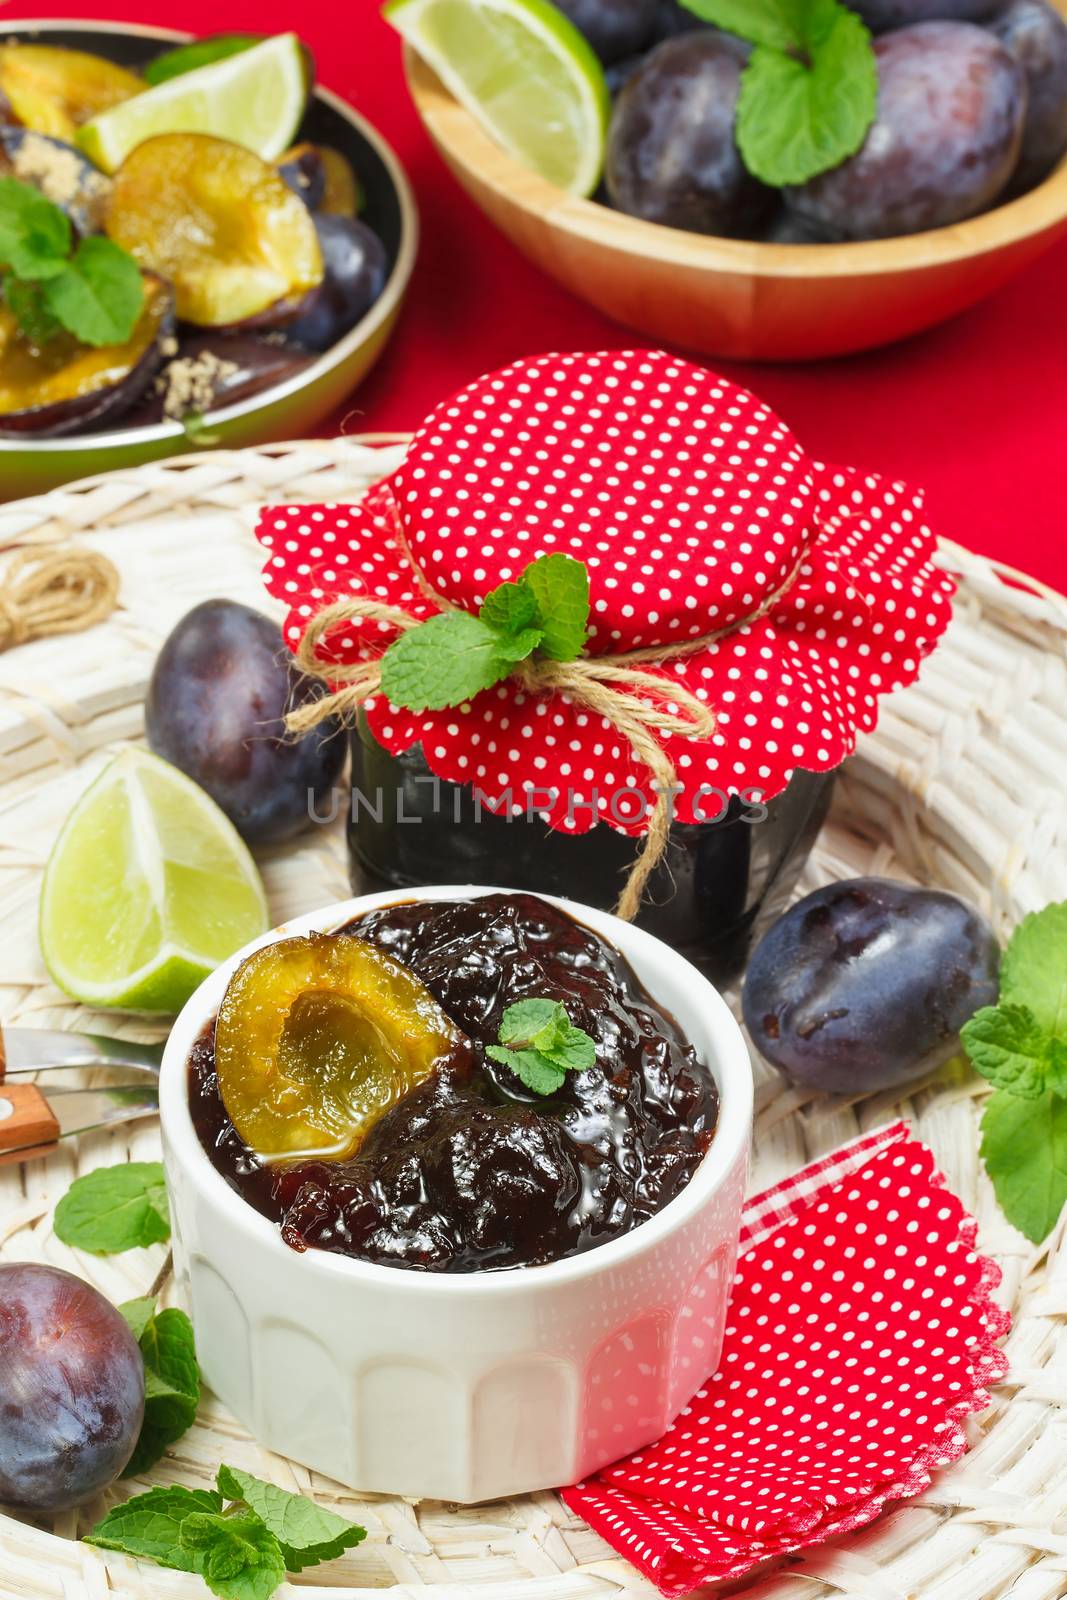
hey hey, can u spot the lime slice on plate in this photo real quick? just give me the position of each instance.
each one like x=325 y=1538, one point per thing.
x=255 y=98
x=148 y=887
x=525 y=72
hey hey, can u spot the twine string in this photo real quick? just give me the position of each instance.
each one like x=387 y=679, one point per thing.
x=45 y=592
x=613 y=687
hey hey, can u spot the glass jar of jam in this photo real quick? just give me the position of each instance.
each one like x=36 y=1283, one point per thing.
x=718 y=884
x=605 y=574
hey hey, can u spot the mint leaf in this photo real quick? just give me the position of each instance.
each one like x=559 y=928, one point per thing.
x=26 y=300
x=443 y=662
x=533 y=1022
x=236 y=1554
x=306 y=1533
x=172 y=1384
x=1024 y=1147
x=537 y=1072
x=1006 y=1045
x=34 y=233
x=1056 y=1067
x=769 y=22
x=509 y=608
x=201 y=53
x=540 y=1045
x=138 y=1314
x=99 y=294
x=512 y=647
x=802 y=113
x=560 y=587
x=115 y=1208
x=1033 y=971
x=150 y=1525
x=575 y=1051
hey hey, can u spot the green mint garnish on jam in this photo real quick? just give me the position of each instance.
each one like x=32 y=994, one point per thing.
x=809 y=92
x=93 y=290
x=454 y=656
x=1020 y=1046
x=241 y=1550
x=171 y=1379
x=541 y=1045
x=112 y=1209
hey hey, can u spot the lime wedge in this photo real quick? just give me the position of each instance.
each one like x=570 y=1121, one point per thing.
x=525 y=72
x=255 y=99
x=148 y=887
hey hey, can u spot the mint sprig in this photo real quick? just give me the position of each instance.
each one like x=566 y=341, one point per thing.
x=93 y=290
x=172 y=1380
x=541 y=1045
x=1020 y=1046
x=809 y=91
x=454 y=656
x=112 y=1209
x=241 y=1550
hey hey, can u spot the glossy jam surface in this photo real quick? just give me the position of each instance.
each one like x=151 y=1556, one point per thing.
x=471 y=1172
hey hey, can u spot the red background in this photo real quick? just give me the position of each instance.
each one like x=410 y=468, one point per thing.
x=976 y=410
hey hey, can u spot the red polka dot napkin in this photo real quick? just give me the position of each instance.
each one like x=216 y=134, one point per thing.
x=861 y=1334
x=695 y=509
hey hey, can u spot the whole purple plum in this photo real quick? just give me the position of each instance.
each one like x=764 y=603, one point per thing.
x=865 y=985
x=1036 y=35
x=216 y=701
x=614 y=28
x=672 y=156
x=944 y=143
x=881 y=15
x=71 y=1389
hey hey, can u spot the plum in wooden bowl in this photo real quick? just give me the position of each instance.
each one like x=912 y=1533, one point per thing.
x=728 y=223
x=197 y=246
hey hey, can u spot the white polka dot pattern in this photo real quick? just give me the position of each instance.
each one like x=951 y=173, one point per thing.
x=691 y=503
x=861 y=1333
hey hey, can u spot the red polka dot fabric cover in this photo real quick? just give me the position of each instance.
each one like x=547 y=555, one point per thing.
x=692 y=505
x=861 y=1333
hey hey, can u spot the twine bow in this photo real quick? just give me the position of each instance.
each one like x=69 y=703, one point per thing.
x=606 y=686
x=45 y=592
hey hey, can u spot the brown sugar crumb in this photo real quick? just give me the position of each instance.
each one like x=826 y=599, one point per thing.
x=192 y=382
x=60 y=174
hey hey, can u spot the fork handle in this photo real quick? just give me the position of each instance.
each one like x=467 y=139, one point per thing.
x=26 y=1118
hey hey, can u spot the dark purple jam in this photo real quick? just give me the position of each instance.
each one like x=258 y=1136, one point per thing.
x=471 y=1172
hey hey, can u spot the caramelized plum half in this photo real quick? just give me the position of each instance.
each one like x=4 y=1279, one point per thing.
x=217 y=221
x=63 y=386
x=317 y=1038
x=356 y=271
x=322 y=178
x=60 y=172
x=54 y=90
x=246 y=366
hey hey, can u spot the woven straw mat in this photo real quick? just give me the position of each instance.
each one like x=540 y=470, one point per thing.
x=962 y=786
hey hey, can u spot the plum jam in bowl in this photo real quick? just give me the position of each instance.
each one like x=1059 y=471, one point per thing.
x=517 y=1270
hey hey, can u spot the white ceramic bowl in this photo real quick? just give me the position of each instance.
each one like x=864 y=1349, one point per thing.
x=472 y=1386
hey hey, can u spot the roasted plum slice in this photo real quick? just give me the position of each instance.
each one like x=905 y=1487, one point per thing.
x=356 y=271
x=231 y=366
x=54 y=90
x=229 y=233
x=59 y=171
x=323 y=179
x=62 y=386
x=317 y=1038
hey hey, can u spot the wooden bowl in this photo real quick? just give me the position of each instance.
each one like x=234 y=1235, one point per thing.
x=290 y=409
x=730 y=297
